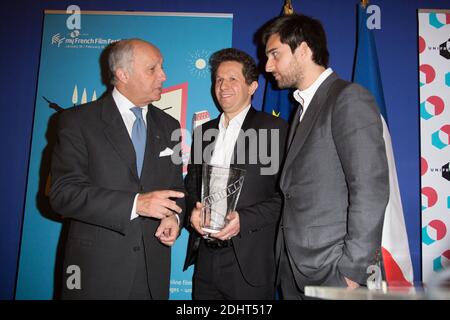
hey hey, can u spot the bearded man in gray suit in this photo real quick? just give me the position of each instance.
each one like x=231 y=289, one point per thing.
x=335 y=176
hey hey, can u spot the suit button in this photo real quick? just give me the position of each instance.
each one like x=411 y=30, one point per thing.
x=136 y=249
x=141 y=188
x=288 y=196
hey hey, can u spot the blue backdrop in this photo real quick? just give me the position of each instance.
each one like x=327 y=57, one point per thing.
x=21 y=29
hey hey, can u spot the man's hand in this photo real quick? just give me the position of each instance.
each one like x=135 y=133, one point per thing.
x=232 y=228
x=168 y=230
x=196 y=218
x=157 y=204
x=351 y=284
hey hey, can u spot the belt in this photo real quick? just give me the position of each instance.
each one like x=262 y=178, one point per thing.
x=218 y=244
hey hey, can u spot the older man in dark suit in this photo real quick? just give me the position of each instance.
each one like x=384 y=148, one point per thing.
x=335 y=176
x=114 y=179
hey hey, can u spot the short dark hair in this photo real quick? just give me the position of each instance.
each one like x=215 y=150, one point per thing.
x=249 y=68
x=294 y=29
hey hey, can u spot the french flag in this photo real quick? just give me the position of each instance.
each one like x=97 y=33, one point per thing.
x=395 y=247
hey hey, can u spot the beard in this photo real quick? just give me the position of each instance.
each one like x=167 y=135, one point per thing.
x=292 y=77
x=285 y=82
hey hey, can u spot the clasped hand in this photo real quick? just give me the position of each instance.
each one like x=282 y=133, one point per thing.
x=231 y=229
x=159 y=205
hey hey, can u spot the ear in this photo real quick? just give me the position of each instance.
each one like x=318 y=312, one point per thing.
x=303 y=50
x=122 y=75
x=252 y=88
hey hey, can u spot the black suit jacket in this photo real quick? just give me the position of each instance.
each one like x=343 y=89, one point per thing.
x=259 y=204
x=94 y=183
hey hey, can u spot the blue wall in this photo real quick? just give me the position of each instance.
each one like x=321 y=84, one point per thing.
x=20 y=30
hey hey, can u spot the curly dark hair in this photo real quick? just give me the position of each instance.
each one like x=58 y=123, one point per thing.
x=294 y=29
x=249 y=68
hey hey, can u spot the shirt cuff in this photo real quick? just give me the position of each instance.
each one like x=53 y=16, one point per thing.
x=134 y=214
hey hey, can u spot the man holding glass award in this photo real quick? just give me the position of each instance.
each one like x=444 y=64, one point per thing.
x=232 y=188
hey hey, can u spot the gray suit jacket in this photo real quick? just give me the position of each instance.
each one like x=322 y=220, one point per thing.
x=335 y=185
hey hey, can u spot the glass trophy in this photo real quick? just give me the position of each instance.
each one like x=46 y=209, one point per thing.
x=221 y=188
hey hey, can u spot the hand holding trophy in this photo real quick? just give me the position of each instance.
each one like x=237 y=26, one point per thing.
x=221 y=188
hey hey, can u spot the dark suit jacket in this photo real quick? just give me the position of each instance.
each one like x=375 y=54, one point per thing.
x=259 y=204
x=335 y=185
x=94 y=184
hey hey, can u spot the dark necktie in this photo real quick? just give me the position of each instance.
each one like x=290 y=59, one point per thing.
x=295 y=123
x=139 y=137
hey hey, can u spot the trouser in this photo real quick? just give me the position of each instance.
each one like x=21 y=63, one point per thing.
x=140 y=289
x=217 y=276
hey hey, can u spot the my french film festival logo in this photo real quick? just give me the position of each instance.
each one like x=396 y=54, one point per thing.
x=74 y=38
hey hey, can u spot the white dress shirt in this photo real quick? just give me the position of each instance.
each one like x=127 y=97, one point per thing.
x=224 y=146
x=304 y=97
x=124 y=105
x=223 y=152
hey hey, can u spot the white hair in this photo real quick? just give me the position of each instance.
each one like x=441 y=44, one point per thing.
x=120 y=56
